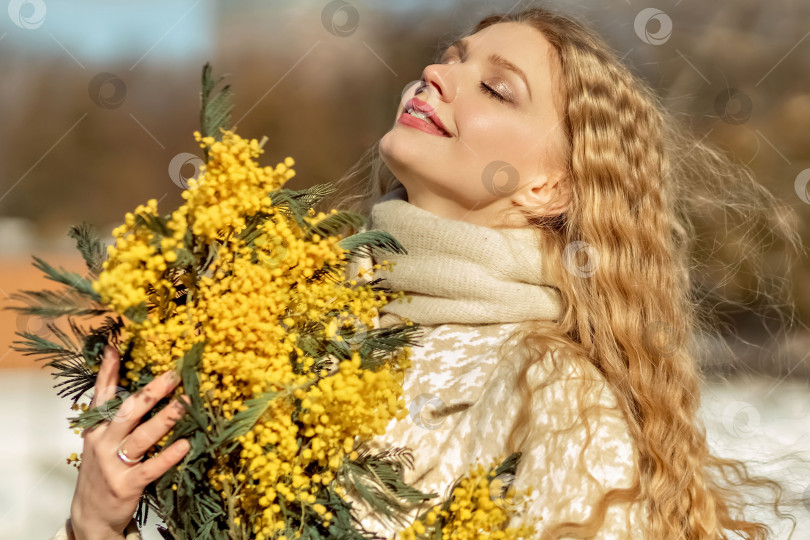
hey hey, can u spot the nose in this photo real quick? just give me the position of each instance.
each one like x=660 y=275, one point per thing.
x=436 y=77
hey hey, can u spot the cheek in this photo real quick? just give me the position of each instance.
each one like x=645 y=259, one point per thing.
x=499 y=136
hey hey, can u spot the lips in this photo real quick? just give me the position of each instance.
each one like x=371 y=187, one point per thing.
x=416 y=104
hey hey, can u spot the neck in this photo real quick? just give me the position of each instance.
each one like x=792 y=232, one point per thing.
x=489 y=215
x=460 y=272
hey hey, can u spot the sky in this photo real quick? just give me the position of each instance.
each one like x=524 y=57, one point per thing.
x=95 y=31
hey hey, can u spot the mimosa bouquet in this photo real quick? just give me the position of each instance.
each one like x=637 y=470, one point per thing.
x=244 y=291
x=479 y=506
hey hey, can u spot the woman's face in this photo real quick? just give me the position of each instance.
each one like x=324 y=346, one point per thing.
x=493 y=138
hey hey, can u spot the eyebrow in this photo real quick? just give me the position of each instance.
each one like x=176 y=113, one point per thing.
x=497 y=60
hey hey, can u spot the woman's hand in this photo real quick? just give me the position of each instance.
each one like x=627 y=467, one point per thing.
x=108 y=488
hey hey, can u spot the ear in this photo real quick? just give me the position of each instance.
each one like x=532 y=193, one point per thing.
x=544 y=195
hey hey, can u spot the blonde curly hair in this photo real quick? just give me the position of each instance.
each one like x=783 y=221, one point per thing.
x=637 y=176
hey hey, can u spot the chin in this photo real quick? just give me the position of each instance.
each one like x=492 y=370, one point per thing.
x=411 y=161
x=398 y=156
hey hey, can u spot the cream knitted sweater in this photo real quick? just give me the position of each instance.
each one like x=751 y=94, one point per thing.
x=469 y=287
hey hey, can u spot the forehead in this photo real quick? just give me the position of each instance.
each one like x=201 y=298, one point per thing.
x=519 y=43
x=527 y=48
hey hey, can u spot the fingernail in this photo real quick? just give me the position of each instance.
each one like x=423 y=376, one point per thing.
x=172 y=377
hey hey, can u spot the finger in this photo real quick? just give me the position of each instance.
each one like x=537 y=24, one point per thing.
x=150 y=432
x=135 y=406
x=154 y=467
x=107 y=377
x=105 y=386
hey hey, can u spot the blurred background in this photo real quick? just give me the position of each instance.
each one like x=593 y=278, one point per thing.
x=98 y=102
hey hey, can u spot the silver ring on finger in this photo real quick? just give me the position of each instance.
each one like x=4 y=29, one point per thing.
x=122 y=455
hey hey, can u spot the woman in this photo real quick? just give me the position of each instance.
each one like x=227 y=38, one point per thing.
x=541 y=191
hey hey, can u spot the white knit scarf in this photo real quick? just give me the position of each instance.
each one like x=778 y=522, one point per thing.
x=459 y=272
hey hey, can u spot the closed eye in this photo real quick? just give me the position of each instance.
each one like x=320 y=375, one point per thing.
x=488 y=90
x=485 y=88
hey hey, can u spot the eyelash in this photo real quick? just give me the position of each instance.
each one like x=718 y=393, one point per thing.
x=485 y=88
